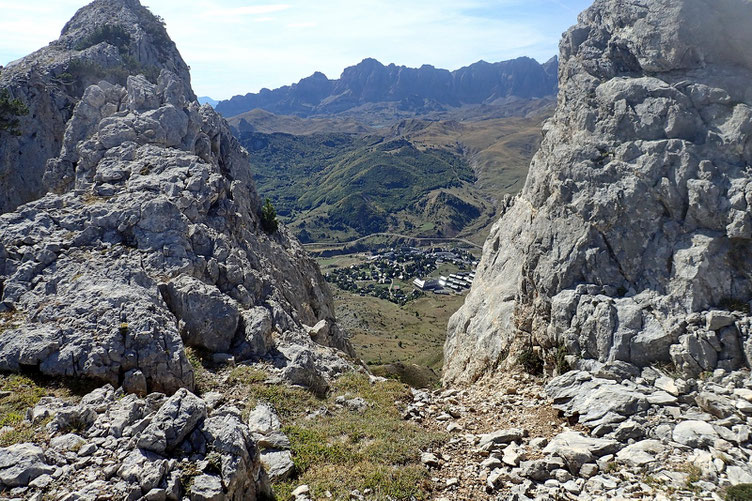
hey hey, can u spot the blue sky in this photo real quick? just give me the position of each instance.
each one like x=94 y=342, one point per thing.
x=236 y=46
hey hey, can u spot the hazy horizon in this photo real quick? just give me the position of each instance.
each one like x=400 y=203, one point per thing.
x=235 y=47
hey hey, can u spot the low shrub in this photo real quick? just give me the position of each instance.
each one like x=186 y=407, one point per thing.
x=269 y=217
x=531 y=362
x=739 y=492
x=10 y=112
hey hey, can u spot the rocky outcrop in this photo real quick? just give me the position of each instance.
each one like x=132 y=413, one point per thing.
x=136 y=448
x=106 y=40
x=623 y=433
x=151 y=242
x=417 y=89
x=631 y=239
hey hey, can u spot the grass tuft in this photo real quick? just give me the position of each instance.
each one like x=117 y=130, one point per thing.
x=202 y=380
x=20 y=393
x=244 y=374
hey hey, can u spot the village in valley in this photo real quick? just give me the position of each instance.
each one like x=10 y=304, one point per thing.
x=403 y=274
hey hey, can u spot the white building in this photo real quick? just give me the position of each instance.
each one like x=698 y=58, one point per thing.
x=428 y=284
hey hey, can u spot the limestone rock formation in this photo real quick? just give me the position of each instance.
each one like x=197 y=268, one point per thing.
x=152 y=238
x=632 y=238
x=137 y=448
x=106 y=40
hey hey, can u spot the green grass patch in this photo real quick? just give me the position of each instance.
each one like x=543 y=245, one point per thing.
x=24 y=392
x=344 y=450
x=20 y=434
x=244 y=374
x=202 y=380
x=385 y=333
x=289 y=402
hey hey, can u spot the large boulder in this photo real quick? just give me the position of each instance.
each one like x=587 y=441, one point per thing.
x=577 y=449
x=210 y=318
x=693 y=433
x=22 y=463
x=595 y=401
x=636 y=216
x=174 y=421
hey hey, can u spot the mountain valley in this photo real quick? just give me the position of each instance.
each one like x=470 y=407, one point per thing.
x=474 y=290
x=372 y=161
x=350 y=182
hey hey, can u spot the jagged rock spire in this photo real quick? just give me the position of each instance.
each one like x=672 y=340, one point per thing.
x=105 y=40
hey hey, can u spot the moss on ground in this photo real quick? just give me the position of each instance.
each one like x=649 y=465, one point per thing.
x=739 y=492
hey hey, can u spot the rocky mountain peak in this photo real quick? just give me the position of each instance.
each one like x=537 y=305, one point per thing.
x=106 y=40
x=139 y=35
x=632 y=236
x=151 y=240
x=372 y=83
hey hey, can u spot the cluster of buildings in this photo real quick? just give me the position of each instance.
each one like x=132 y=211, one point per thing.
x=456 y=282
x=378 y=275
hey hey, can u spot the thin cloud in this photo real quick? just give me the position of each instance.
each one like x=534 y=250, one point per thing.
x=307 y=24
x=249 y=10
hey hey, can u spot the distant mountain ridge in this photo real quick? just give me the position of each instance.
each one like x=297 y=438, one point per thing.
x=415 y=89
x=207 y=100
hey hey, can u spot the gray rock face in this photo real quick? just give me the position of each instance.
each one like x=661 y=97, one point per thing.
x=211 y=319
x=53 y=80
x=207 y=488
x=694 y=433
x=152 y=242
x=140 y=448
x=577 y=449
x=275 y=446
x=278 y=464
x=241 y=469
x=635 y=216
x=177 y=417
x=22 y=463
x=595 y=401
x=263 y=420
x=640 y=453
x=500 y=437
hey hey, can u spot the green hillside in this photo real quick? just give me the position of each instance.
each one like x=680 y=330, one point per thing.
x=338 y=186
x=333 y=181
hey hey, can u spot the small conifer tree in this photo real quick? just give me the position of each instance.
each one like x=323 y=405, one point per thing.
x=269 y=217
x=10 y=110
